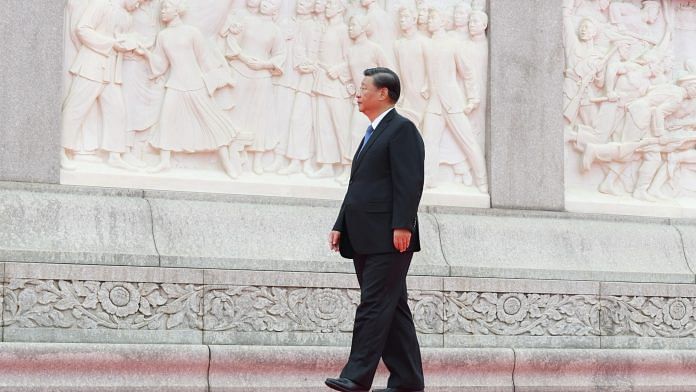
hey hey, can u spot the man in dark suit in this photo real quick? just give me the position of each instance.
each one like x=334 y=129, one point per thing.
x=377 y=227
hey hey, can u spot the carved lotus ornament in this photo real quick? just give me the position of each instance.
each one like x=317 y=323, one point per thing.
x=120 y=299
x=328 y=307
x=677 y=312
x=512 y=308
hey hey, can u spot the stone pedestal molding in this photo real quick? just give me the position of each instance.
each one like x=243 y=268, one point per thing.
x=165 y=368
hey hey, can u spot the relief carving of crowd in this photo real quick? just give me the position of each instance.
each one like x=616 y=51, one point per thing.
x=268 y=86
x=630 y=84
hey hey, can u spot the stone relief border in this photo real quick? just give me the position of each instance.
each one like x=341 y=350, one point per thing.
x=86 y=304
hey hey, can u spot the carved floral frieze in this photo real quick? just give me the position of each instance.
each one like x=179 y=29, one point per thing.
x=76 y=304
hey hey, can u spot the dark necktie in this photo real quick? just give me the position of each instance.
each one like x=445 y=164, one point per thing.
x=368 y=134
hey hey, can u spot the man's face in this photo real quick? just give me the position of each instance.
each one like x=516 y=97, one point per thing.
x=253 y=3
x=368 y=96
x=168 y=13
x=477 y=23
x=587 y=31
x=422 y=13
x=434 y=21
x=366 y=3
x=406 y=20
x=355 y=28
x=461 y=16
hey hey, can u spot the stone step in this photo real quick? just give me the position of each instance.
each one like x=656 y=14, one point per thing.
x=191 y=368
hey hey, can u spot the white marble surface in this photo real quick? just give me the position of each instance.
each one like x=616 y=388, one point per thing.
x=630 y=107
x=272 y=112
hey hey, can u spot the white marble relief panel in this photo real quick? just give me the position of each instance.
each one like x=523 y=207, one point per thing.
x=257 y=96
x=630 y=107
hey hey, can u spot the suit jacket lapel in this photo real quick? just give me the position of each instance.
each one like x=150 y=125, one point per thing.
x=376 y=134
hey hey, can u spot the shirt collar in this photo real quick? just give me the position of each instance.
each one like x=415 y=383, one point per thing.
x=380 y=117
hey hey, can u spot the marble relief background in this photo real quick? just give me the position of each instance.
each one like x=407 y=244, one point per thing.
x=264 y=89
x=629 y=101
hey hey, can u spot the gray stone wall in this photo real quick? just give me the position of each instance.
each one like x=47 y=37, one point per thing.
x=31 y=61
x=525 y=122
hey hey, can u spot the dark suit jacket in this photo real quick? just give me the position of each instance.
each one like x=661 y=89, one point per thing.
x=385 y=188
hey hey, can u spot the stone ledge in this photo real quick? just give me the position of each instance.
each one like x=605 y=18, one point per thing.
x=79 y=225
x=179 y=368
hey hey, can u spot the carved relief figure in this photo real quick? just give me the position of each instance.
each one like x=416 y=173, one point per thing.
x=460 y=21
x=476 y=50
x=410 y=62
x=143 y=95
x=629 y=108
x=257 y=54
x=333 y=100
x=190 y=120
x=362 y=54
x=380 y=27
x=282 y=73
x=585 y=66
x=91 y=126
x=300 y=143
x=447 y=107
x=285 y=91
x=97 y=71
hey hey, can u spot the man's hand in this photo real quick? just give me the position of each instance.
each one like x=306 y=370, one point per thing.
x=402 y=239
x=335 y=240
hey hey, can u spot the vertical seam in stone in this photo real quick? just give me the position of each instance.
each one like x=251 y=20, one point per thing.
x=444 y=307
x=2 y=308
x=514 y=367
x=600 y=316
x=442 y=248
x=210 y=360
x=681 y=241
x=152 y=229
x=204 y=290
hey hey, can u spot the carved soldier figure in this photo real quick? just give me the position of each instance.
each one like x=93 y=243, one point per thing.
x=584 y=74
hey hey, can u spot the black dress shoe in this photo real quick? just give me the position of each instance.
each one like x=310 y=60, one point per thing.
x=344 y=385
x=396 y=390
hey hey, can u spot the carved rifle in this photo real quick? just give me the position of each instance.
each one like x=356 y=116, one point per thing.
x=571 y=110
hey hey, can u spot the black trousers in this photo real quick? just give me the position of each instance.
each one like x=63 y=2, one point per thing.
x=384 y=324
